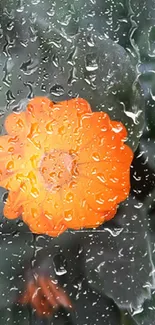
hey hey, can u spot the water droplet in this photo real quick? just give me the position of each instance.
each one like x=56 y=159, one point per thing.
x=7 y=71
x=9 y=96
x=20 y=223
x=139 y=205
x=4 y=197
x=114 y=232
x=151 y=40
x=20 y=123
x=49 y=127
x=133 y=115
x=2 y=113
x=65 y=19
x=10 y=25
x=96 y=156
x=34 y=192
x=72 y=77
x=10 y=165
x=21 y=106
x=69 y=197
x=35 y=2
x=31 y=176
x=19 y=177
x=59 y=264
x=101 y=177
x=99 y=267
x=23 y=187
x=118 y=128
x=90 y=41
x=134 y=217
x=100 y=199
x=34 y=213
x=1 y=32
x=57 y=90
x=34 y=131
x=90 y=79
x=61 y=130
x=139 y=310
x=10 y=149
x=30 y=66
x=91 y=62
x=13 y=140
x=51 y=12
x=68 y=215
x=55 y=60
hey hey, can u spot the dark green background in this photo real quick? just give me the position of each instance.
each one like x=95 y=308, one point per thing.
x=48 y=48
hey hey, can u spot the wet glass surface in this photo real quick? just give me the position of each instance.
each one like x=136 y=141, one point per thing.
x=104 y=52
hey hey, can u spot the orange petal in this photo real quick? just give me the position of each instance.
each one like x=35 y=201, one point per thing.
x=47 y=291
x=81 y=105
x=106 y=146
x=24 y=298
x=91 y=125
x=11 y=150
x=53 y=213
x=53 y=208
x=9 y=145
x=106 y=185
x=30 y=185
x=35 y=298
x=9 y=168
x=40 y=220
x=65 y=141
x=70 y=111
x=93 y=193
x=112 y=175
x=38 y=109
x=63 y=128
x=13 y=205
x=43 y=226
x=53 y=205
x=119 y=129
x=77 y=213
x=60 y=296
x=34 y=218
x=37 y=116
x=15 y=124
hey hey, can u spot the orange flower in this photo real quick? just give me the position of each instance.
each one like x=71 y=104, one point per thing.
x=65 y=166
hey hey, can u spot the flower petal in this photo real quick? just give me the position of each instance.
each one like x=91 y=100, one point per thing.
x=63 y=128
x=97 y=195
x=37 y=117
x=11 y=150
x=77 y=213
x=106 y=146
x=70 y=110
x=113 y=175
x=91 y=125
x=15 y=124
x=40 y=221
x=53 y=208
x=13 y=205
x=39 y=109
x=9 y=145
x=9 y=168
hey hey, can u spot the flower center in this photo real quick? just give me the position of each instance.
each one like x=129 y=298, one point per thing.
x=56 y=168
